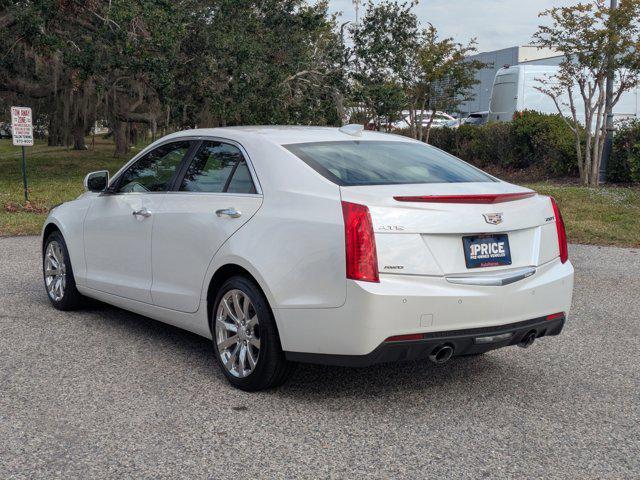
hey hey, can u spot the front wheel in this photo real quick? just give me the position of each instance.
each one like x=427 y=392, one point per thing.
x=58 y=274
x=245 y=337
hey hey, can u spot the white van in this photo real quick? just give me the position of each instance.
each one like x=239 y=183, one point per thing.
x=514 y=90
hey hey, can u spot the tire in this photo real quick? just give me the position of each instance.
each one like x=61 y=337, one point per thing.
x=68 y=297
x=238 y=326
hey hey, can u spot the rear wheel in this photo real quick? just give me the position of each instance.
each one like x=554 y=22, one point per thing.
x=58 y=274
x=245 y=337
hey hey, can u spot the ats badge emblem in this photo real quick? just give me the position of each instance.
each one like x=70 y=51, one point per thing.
x=492 y=218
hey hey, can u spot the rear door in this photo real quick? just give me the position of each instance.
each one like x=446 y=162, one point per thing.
x=214 y=195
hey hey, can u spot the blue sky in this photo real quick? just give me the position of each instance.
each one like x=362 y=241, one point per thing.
x=495 y=23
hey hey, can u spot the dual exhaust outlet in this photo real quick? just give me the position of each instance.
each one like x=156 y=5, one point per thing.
x=443 y=353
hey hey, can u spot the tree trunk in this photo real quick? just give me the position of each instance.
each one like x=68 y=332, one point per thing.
x=154 y=129
x=133 y=135
x=120 y=137
x=54 y=138
x=427 y=132
x=586 y=172
x=78 y=137
x=598 y=140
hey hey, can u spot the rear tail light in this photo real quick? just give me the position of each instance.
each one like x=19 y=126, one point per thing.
x=562 y=232
x=360 y=243
x=555 y=316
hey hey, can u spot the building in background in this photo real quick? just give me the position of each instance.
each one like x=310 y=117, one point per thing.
x=495 y=60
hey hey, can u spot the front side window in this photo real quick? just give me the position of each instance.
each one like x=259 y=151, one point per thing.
x=154 y=171
x=218 y=167
x=351 y=163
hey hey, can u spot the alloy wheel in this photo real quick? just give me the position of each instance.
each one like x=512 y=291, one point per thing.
x=237 y=331
x=55 y=272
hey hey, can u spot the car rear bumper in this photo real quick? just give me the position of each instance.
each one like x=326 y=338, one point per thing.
x=463 y=342
x=412 y=304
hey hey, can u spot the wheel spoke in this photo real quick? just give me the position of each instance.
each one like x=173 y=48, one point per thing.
x=252 y=359
x=52 y=259
x=225 y=344
x=231 y=327
x=242 y=361
x=52 y=271
x=231 y=361
x=245 y=307
x=227 y=310
x=255 y=342
x=57 y=253
x=236 y=306
x=253 y=321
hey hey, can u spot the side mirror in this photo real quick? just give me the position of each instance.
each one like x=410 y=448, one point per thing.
x=96 y=181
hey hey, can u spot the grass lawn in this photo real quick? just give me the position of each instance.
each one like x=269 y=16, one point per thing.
x=605 y=216
x=598 y=216
x=54 y=174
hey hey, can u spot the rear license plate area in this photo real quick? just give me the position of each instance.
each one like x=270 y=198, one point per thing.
x=486 y=250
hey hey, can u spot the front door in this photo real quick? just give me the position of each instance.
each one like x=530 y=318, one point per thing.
x=118 y=226
x=215 y=195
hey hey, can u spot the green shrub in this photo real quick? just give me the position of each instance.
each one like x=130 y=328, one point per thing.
x=531 y=141
x=624 y=166
x=544 y=140
x=444 y=138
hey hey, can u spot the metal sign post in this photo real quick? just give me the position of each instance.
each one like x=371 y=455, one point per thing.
x=22 y=134
x=24 y=175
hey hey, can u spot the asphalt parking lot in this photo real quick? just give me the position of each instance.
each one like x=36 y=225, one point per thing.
x=105 y=393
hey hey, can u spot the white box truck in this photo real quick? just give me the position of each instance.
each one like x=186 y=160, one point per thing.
x=514 y=90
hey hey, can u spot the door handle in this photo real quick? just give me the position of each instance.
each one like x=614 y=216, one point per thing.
x=143 y=212
x=229 y=212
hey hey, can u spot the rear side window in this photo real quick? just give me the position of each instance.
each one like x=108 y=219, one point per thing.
x=218 y=167
x=351 y=163
x=241 y=181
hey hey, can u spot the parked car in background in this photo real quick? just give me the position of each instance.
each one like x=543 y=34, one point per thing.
x=40 y=131
x=309 y=244
x=515 y=90
x=476 y=118
x=441 y=119
x=5 y=130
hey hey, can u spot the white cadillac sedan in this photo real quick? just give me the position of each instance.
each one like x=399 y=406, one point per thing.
x=304 y=244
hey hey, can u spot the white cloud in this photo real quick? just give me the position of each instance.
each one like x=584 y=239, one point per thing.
x=495 y=23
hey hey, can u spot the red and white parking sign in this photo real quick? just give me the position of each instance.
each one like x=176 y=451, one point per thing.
x=21 y=126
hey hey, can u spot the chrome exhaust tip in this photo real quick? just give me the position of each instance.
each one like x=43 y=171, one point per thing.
x=441 y=354
x=528 y=339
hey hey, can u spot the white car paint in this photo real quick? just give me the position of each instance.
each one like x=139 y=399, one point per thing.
x=291 y=239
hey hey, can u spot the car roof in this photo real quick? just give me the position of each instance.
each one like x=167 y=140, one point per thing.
x=286 y=135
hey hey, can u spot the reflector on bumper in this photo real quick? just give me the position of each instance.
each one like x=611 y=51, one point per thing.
x=492 y=338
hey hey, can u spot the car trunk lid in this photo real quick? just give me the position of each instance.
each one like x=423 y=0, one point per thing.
x=420 y=228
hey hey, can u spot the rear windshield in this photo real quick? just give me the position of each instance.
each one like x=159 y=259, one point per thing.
x=351 y=163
